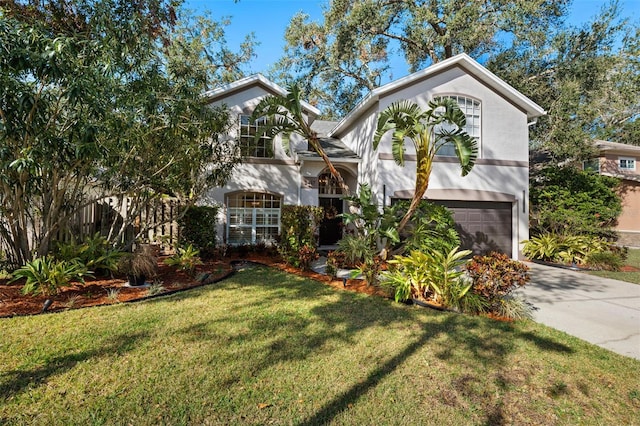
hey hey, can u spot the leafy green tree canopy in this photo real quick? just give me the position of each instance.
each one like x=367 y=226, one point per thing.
x=98 y=101
x=588 y=80
x=347 y=54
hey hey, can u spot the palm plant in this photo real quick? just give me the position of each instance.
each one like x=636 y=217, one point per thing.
x=284 y=114
x=441 y=124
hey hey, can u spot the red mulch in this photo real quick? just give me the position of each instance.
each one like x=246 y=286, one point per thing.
x=95 y=291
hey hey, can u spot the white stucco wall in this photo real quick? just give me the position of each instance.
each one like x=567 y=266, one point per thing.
x=359 y=138
x=502 y=165
x=504 y=132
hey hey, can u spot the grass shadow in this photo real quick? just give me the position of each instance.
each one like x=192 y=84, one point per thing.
x=15 y=381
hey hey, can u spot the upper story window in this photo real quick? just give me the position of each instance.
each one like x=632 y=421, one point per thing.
x=249 y=146
x=592 y=165
x=627 y=164
x=472 y=112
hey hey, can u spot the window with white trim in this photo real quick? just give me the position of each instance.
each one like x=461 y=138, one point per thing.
x=249 y=146
x=472 y=111
x=253 y=217
x=627 y=164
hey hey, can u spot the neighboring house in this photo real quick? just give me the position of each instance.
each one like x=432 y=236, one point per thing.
x=622 y=161
x=490 y=205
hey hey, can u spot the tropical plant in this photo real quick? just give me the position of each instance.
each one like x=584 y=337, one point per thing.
x=441 y=124
x=306 y=255
x=457 y=296
x=564 y=248
x=428 y=274
x=446 y=274
x=335 y=260
x=94 y=252
x=374 y=228
x=46 y=275
x=186 y=259
x=356 y=248
x=407 y=276
x=431 y=228
x=494 y=277
x=284 y=114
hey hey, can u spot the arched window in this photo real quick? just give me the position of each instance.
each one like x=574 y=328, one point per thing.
x=253 y=217
x=328 y=185
x=472 y=112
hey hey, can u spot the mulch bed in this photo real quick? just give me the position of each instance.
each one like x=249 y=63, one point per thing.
x=97 y=291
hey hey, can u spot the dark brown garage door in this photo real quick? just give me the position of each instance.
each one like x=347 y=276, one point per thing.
x=483 y=226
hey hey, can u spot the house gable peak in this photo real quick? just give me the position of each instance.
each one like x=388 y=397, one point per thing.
x=251 y=81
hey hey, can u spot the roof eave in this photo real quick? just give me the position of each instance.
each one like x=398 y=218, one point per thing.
x=259 y=79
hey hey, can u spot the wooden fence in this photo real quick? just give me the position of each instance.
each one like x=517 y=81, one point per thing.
x=156 y=223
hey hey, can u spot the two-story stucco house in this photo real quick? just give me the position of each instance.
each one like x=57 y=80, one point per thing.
x=622 y=161
x=490 y=205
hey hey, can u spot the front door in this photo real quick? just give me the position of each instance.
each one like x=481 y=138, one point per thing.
x=331 y=225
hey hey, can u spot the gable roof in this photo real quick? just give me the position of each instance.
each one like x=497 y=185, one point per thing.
x=334 y=148
x=463 y=61
x=251 y=81
x=616 y=146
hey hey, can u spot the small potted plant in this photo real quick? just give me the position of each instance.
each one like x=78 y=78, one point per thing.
x=138 y=266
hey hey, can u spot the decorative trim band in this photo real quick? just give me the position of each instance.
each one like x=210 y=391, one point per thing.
x=479 y=161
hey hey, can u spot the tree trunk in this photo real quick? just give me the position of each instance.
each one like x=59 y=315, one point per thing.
x=423 y=172
x=334 y=172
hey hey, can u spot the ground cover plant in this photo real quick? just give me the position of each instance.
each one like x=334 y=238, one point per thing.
x=266 y=347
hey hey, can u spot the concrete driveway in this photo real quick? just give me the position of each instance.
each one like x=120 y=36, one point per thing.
x=602 y=311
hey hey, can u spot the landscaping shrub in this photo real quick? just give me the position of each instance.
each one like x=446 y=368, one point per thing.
x=432 y=275
x=375 y=233
x=564 y=248
x=565 y=200
x=298 y=240
x=494 y=277
x=96 y=253
x=355 y=249
x=605 y=261
x=335 y=260
x=46 y=275
x=186 y=259
x=431 y=228
x=198 y=228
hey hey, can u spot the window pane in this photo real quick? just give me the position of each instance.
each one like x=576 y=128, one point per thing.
x=471 y=109
x=255 y=218
x=249 y=147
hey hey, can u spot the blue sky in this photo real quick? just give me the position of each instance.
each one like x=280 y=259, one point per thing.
x=267 y=19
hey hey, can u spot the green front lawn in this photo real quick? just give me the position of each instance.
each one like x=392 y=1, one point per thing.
x=265 y=347
x=630 y=277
